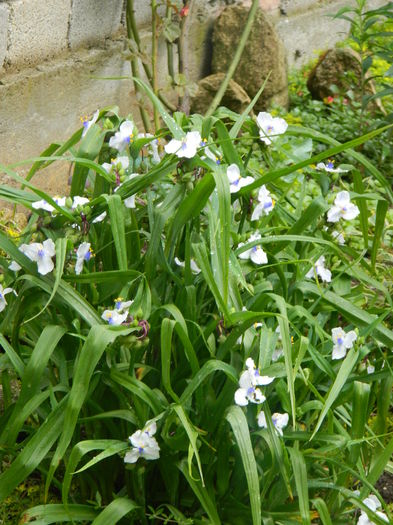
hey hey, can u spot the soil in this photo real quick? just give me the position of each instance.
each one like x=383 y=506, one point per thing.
x=385 y=487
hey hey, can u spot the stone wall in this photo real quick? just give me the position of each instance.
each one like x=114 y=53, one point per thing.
x=54 y=52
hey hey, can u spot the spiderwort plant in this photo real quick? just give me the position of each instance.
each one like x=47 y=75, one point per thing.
x=164 y=319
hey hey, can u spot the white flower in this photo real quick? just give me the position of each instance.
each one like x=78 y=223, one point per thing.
x=123 y=137
x=14 y=266
x=342 y=208
x=270 y=127
x=153 y=146
x=279 y=421
x=99 y=218
x=121 y=306
x=144 y=445
x=79 y=201
x=44 y=205
x=83 y=253
x=339 y=237
x=370 y=369
x=373 y=503
x=113 y=317
x=193 y=265
x=123 y=162
x=324 y=273
x=249 y=380
x=236 y=181
x=265 y=206
x=41 y=253
x=187 y=147
x=3 y=292
x=329 y=167
x=88 y=123
x=256 y=254
x=342 y=342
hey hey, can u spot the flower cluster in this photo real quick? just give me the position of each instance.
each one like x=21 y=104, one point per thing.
x=249 y=382
x=144 y=445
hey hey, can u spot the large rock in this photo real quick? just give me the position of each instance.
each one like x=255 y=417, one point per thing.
x=263 y=53
x=339 y=67
x=235 y=98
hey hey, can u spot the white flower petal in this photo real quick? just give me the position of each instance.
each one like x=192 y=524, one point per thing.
x=241 y=397
x=14 y=266
x=258 y=256
x=262 y=419
x=100 y=218
x=339 y=352
x=350 y=212
x=334 y=214
x=350 y=338
x=173 y=146
x=132 y=456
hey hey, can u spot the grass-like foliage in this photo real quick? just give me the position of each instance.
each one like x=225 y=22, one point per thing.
x=222 y=300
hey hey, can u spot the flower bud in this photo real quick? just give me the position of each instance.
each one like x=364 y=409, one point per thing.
x=108 y=124
x=68 y=202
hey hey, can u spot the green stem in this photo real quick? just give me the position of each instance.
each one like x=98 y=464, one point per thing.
x=132 y=31
x=134 y=64
x=169 y=51
x=154 y=43
x=236 y=59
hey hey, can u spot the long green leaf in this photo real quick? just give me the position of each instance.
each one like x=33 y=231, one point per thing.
x=238 y=422
x=98 y=339
x=201 y=493
x=31 y=380
x=56 y=513
x=116 y=214
x=342 y=376
x=33 y=452
x=115 y=511
x=300 y=475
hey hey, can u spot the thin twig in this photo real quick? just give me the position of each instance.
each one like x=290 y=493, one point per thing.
x=133 y=33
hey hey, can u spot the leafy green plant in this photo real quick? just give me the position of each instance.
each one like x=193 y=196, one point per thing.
x=189 y=295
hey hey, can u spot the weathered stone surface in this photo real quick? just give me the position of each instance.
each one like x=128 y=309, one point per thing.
x=306 y=27
x=44 y=104
x=263 y=53
x=37 y=30
x=235 y=97
x=3 y=32
x=93 y=20
x=340 y=67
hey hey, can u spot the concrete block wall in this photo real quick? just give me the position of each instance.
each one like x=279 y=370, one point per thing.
x=52 y=51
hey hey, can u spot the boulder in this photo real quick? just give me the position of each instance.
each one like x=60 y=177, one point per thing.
x=340 y=67
x=235 y=98
x=263 y=53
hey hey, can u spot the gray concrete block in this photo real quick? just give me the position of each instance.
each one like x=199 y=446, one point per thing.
x=38 y=30
x=44 y=104
x=4 y=11
x=93 y=20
